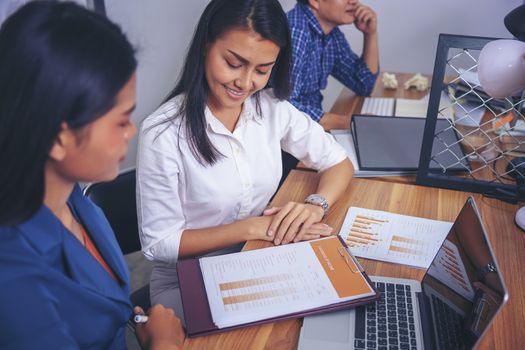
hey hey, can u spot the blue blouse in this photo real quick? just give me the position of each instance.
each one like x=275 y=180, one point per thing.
x=53 y=293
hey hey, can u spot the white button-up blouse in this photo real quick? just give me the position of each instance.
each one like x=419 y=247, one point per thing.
x=175 y=192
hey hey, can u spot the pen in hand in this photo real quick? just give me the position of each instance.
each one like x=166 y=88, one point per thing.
x=140 y=319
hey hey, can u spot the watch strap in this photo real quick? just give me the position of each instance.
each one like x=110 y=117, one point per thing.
x=317 y=199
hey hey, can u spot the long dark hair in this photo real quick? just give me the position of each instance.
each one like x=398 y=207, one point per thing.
x=59 y=62
x=266 y=18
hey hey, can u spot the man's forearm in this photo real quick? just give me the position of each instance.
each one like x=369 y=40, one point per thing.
x=371 y=52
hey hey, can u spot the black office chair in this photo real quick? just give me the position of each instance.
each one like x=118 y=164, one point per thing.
x=117 y=200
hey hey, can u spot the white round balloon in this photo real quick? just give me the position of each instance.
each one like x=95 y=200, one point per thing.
x=501 y=68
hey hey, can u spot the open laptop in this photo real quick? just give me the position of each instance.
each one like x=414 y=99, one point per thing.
x=394 y=144
x=450 y=308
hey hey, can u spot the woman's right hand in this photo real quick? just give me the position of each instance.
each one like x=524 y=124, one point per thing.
x=259 y=227
x=162 y=330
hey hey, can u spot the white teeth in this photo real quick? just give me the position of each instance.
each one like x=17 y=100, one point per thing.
x=233 y=92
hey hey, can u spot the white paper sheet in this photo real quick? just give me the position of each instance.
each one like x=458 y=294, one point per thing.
x=256 y=285
x=394 y=238
x=418 y=108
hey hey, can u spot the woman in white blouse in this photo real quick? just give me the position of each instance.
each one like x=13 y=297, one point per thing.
x=210 y=157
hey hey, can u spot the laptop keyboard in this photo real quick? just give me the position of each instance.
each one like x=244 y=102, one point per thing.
x=449 y=325
x=383 y=106
x=389 y=322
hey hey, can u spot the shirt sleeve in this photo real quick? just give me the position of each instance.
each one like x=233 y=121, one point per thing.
x=351 y=70
x=314 y=112
x=306 y=140
x=299 y=40
x=159 y=208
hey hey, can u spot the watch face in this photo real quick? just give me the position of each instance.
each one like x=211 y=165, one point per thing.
x=317 y=200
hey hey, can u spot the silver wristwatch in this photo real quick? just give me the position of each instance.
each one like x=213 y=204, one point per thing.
x=317 y=199
x=490 y=267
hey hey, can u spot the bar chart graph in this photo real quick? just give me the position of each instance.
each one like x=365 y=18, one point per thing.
x=253 y=289
x=392 y=237
x=364 y=231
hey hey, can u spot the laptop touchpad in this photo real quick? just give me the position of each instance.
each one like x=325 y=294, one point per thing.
x=333 y=327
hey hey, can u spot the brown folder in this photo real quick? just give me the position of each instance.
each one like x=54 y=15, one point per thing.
x=197 y=311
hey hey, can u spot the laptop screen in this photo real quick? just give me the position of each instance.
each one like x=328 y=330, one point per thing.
x=462 y=289
x=381 y=143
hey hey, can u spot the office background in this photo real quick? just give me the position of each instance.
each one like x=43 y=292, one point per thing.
x=408 y=31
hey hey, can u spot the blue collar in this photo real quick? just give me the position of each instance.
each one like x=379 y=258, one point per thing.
x=312 y=20
x=46 y=234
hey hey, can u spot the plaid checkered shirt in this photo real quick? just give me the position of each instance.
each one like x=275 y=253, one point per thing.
x=316 y=56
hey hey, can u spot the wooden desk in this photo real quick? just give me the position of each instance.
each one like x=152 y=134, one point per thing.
x=433 y=203
x=348 y=103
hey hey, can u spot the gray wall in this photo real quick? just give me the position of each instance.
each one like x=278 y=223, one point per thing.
x=408 y=31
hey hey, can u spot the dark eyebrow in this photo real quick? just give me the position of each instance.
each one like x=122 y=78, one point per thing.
x=129 y=111
x=244 y=60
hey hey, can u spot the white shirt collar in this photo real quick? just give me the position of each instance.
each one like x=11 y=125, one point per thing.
x=248 y=112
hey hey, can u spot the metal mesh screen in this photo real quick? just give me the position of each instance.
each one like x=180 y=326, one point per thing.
x=490 y=132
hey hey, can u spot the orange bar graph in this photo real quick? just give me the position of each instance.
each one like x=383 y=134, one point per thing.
x=236 y=299
x=457 y=277
x=364 y=232
x=354 y=240
x=448 y=250
x=453 y=267
x=252 y=282
x=361 y=226
x=396 y=248
x=454 y=273
x=451 y=257
x=360 y=236
x=397 y=238
x=370 y=218
x=366 y=222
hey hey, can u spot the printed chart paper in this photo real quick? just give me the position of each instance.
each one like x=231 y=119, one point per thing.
x=401 y=239
x=256 y=285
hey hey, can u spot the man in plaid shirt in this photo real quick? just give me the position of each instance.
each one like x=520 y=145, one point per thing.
x=320 y=49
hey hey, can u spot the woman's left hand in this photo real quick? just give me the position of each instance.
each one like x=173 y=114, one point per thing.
x=295 y=222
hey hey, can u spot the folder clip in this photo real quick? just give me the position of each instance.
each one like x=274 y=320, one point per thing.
x=342 y=252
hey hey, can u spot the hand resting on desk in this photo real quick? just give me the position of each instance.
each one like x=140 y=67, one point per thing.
x=296 y=222
x=259 y=228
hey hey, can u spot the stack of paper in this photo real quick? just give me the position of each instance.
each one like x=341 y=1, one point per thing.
x=261 y=284
x=418 y=108
x=401 y=239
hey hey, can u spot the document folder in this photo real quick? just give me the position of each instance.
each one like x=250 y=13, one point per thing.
x=196 y=306
x=394 y=144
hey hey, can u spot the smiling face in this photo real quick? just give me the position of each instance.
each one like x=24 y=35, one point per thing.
x=238 y=64
x=94 y=153
x=333 y=13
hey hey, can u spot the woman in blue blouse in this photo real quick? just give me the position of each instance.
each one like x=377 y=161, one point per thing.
x=67 y=82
